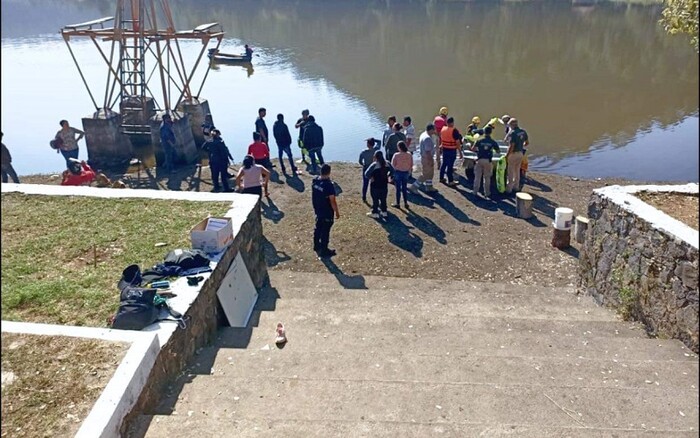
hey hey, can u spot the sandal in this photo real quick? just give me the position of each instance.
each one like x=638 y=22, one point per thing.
x=281 y=335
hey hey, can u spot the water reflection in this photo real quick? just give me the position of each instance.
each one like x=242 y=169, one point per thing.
x=578 y=78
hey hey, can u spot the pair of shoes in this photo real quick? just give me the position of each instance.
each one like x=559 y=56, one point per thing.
x=298 y=172
x=453 y=183
x=385 y=214
x=395 y=205
x=373 y=215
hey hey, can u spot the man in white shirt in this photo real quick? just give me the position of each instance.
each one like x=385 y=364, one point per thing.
x=426 y=149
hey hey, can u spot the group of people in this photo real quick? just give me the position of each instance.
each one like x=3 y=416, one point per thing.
x=440 y=143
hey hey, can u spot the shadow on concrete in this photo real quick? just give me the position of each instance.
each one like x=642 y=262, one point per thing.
x=273 y=257
x=401 y=235
x=270 y=210
x=347 y=281
x=427 y=226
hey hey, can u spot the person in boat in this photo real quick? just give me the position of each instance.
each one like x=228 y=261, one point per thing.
x=260 y=151
x=78 y=173
x=219 y=157
x=248 y=51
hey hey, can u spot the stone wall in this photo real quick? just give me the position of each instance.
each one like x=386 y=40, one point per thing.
x=204 y=313
x=642 y=262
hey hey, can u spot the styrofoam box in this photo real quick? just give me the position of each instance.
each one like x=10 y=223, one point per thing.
x=212 y=234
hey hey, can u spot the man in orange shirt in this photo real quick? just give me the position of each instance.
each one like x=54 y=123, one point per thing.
x=450 y=146
x=260 y=152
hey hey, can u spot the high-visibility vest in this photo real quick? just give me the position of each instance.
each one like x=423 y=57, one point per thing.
x=446 y=138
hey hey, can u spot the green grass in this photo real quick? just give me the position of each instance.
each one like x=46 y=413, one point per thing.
x=50 y=245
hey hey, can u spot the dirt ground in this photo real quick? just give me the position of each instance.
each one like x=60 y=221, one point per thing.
x=447 y=235
x=678 y=206
x=50 y=383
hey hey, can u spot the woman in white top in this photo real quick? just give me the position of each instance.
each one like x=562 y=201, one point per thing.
x=252 y=177
x=69 y=143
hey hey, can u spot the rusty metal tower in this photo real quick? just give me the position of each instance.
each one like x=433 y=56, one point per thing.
x=146 y=75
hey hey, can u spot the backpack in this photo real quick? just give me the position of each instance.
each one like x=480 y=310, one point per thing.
x=140 y=307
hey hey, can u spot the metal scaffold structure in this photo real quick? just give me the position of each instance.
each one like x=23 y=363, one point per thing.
x=146 y=75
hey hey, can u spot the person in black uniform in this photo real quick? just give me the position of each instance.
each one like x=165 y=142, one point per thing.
x=325 y=208
x=219 y=156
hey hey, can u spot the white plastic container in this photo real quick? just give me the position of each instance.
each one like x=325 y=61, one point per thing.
x=563 y=217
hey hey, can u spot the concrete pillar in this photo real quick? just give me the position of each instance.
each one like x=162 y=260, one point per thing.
x=106 y=145
x=196 y=109
x=185 y=150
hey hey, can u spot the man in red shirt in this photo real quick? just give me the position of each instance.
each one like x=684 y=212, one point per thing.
x=439 y=122
x=260 y=152
x=78 y=173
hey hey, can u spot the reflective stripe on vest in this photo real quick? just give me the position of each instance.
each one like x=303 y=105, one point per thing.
x=446 y=137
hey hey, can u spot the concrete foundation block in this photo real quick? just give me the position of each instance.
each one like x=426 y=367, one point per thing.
x=106 y=145
x=185 y=148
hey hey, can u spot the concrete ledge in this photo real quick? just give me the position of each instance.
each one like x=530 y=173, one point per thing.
x=642 y=261
x=123 y=389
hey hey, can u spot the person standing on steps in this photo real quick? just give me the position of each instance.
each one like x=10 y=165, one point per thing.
x=484 y=148
x=301 y=125
x=219 y=156
x=325 y=209
x=402 y=162
x=450 y=147
x=313 y=142
x=378 y=176
x=167 y=142
x=366 y=160
x=284 y=143
x=252 y=178
x=261 y=127
x=426 y=150
x=69 y=143
x=518 y=143
x=6 y=161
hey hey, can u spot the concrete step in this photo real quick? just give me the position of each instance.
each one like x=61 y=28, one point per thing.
x=453 y=368
x=221 y=399
x=163 y=426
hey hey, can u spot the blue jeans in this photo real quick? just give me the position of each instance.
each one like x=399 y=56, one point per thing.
x=401 y=183
x=315 y=155
x=448 y=162
x=286 y=150
x=70 y=154
x=365 y=185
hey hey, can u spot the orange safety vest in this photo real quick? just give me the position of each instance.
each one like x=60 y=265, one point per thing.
x=446 y=138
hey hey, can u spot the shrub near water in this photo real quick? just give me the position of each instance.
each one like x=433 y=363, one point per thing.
x=50 y=245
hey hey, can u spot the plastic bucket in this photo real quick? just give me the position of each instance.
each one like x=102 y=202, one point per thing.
x=563 y=217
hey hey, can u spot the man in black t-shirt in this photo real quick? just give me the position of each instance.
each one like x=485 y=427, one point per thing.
x=516 y=151
x=261 y=127
x=301 y=125
x=484 y=148
x=325 y=208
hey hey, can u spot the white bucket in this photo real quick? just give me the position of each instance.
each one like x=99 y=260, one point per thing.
x=563 y=217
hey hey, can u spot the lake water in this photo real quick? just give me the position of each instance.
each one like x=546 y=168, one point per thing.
x=602 y=90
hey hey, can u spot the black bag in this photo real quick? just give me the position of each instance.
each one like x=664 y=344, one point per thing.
x=186 y=259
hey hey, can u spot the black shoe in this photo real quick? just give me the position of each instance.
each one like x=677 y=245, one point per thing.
x=215 y=190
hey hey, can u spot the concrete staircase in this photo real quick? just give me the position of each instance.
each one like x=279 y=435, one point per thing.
x=376 y=356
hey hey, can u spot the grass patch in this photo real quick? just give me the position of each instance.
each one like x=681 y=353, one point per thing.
x=63 y=256
x=50 y=383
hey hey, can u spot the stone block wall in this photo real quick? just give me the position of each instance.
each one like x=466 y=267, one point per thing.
x=642 y=262
x=204 y=315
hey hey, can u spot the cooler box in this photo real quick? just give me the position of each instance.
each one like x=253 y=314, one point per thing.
x=212 y=235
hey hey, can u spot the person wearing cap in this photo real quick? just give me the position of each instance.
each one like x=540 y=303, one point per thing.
x=484 y=148
x=473 y=127
x=439 y=122
x=6 y=161
x=313 y=142
x=450 y=147
x=426 y=150
x=518 y=142
x=219 y=157
x=505 y=119
x=167 y=142
x=366 y=159
x=301 y=125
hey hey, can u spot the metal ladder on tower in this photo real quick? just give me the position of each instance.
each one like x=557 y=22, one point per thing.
x=132 y=73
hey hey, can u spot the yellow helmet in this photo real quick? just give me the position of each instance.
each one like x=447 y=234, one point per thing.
x=443 y=111
x=476 y=119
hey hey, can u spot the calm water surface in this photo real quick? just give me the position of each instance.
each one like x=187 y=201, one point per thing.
x=602 y=90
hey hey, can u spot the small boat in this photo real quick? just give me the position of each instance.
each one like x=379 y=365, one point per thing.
x=217 y=56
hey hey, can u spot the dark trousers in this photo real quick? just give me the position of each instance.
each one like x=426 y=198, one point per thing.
x=70 y=154
x=286 y=150
x=255 y=190
x=365 y=185
x=219 y=172
x=448 y=162
x=401 y=183
x=315 y=156
x=264 y=162
x=379 y=195
x=322 y=233
x=169 y=152
x=8 y=170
